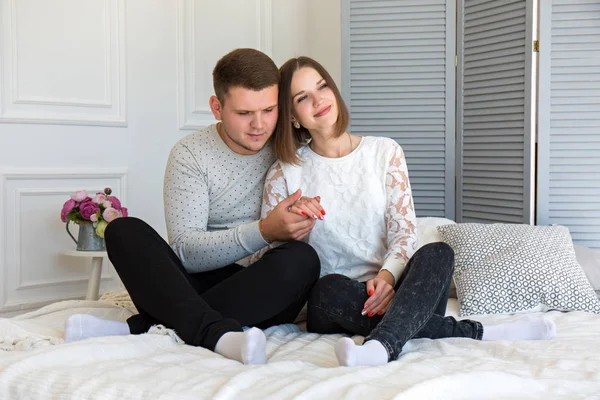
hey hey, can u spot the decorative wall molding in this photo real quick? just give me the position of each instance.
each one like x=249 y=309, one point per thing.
x=190 y=114
x=16 y=107
x=19 y=285
x=264 y=16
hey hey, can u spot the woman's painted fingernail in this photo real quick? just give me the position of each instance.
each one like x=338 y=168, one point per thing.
x=363 y=312
x=380 y=313
x=315 y=217
x=303 y=213
x=371 y=314
x=370 y=292
x=323 y=212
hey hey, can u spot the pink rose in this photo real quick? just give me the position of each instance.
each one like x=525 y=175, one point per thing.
x=114 y=201
x=94 y=217
x=124 y=211
x=79 y=195
x=110 y=214
x=67 y=208
x=87 y=208
x=100 y=198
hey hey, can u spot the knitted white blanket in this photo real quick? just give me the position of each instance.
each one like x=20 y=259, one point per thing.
x=300 y=365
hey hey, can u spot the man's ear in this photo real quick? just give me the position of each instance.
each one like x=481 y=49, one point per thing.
x=216 y=107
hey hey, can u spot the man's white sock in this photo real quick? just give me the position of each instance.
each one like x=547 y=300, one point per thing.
x=246 y=347
x=349 y=354
x=528 y=328
x=83 y=326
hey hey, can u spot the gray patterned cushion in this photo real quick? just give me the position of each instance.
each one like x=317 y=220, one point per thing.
x=507 y=268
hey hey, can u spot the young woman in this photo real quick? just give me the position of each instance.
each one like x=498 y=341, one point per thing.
x=357 y=188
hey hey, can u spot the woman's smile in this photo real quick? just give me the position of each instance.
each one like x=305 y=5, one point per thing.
x=323 y=112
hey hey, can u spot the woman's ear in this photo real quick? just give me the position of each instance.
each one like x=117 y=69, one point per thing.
x=293 y=117
x=216 y=107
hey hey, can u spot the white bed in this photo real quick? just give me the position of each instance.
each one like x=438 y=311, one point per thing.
x=36 y=364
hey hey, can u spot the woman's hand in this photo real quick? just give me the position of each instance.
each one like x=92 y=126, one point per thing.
x=309 y=207
x=381 y=293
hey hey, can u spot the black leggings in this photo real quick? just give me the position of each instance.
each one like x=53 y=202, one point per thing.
x=417 y=309
x=201 y=307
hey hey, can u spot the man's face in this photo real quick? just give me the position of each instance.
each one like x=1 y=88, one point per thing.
x=248 y=118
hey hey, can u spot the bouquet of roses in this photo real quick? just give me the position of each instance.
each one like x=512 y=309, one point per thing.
x=99 y=210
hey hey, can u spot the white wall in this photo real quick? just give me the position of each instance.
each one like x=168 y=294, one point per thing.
x=290 y=38
x=96 y=95
x=308 y=28
x=324 y=35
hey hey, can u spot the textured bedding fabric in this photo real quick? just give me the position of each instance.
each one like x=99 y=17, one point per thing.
x=36 y=364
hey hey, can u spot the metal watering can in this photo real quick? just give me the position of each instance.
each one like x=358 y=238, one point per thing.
x=87 y=240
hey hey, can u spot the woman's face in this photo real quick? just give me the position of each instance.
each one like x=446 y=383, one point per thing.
x=313 y=102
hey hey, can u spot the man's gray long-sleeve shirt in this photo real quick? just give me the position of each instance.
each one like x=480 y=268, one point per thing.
x=212 y=199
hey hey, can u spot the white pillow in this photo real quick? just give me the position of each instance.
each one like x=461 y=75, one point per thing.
x=508 y=268
x=589 y=259
x=427 y=230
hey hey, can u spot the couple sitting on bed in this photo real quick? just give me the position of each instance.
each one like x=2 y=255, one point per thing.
x=347 y=197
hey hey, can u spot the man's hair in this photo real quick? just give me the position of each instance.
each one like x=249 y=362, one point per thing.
x=288 y=139
x=247 y=68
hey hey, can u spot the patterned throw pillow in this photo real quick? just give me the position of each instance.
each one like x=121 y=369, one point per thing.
x=507 y=268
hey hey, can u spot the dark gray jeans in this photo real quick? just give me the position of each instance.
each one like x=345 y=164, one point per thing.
x=417 y=310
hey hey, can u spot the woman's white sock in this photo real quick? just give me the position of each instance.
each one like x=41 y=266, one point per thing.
x=83 y=326
x=528 y=328
x=349 y=354
x=246 y=347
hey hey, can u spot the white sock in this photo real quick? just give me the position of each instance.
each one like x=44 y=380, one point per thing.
x=83 y=326
x=349 y=354
x=529 y=328
x=246 y=347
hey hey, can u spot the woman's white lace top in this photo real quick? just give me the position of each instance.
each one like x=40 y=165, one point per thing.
x=370 y=221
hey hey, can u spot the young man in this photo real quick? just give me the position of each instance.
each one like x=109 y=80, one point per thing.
x=202 y=286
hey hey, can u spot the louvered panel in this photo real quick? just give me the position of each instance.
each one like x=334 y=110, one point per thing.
x=399 y=83
x=370 y=4
x=396 y=52
x=493 y=181
x=569 y=125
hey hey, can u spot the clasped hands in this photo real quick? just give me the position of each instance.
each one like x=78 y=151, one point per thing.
x=286 y=221
x=309 y=207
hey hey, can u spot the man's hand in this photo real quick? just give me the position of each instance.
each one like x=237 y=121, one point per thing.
x=381 y=293
x=282 y=225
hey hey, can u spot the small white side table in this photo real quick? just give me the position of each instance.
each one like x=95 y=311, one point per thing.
x=94 y=281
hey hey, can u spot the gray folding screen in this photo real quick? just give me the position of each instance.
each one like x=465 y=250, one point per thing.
x=569 y=118
x=398 y=80
x=494 y=164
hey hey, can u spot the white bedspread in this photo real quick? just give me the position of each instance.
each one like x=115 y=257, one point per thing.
x=300 y=365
